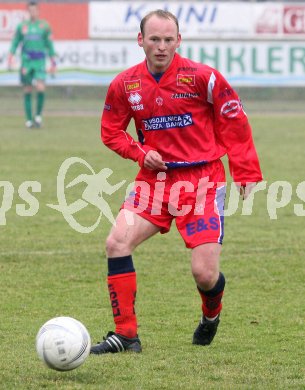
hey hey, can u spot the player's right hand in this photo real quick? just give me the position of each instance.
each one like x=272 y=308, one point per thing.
x=52 y=69
x=153 y=161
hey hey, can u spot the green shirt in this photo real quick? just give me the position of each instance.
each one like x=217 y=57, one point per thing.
x=34 y=36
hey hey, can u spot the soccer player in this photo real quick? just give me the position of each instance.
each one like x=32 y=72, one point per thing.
x=187 y=117
x=34 y=35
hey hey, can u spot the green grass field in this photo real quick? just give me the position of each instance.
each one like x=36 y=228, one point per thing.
x=48 y=269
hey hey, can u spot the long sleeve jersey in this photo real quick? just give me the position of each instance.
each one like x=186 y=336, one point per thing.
x=191 y=116
x=35 y=38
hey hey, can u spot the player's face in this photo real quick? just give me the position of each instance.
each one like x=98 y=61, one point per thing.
x=160 y=41
x=33 y=11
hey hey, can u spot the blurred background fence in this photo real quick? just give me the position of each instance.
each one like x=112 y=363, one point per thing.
x=259 y=46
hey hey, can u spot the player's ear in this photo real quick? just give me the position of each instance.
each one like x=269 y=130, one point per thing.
x=140 y=39
x=179 y=40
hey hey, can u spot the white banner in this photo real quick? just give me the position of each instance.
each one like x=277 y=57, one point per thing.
x=253 y=63
x=202 y=20
x=249 y=63
x=80 y=62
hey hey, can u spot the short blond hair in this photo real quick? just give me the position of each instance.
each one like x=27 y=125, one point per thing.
x=160 y=13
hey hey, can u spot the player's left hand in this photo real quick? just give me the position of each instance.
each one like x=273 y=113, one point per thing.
x=52 y=70
x=10 y=62
x=153 y=160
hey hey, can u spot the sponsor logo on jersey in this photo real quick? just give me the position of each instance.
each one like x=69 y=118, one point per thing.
x=187 y=69
x=187 y=95
x=132 y=86
x=231 y=108
x=185 y=79
x=168 y=122
x=134 y=98
x=107 y=107
x=225 y=93
x=138 y=107
x=159 y=101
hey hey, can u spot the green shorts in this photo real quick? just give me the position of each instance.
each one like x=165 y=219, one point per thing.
x=32 y=70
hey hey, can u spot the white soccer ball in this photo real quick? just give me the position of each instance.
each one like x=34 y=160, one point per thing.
x=63 y=343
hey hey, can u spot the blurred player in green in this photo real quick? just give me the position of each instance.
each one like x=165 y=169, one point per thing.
x=34 y=35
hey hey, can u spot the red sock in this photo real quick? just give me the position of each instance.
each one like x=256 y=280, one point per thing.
x=211 y=300
x=122 y=291
x=211 y=306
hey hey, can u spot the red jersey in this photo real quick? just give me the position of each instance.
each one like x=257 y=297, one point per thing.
x=191 y=116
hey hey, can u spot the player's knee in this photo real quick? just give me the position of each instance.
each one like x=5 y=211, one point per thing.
x=205 y=279
x=28 y=89
x=111 y=245
x=115 y=246
x=40 y=87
